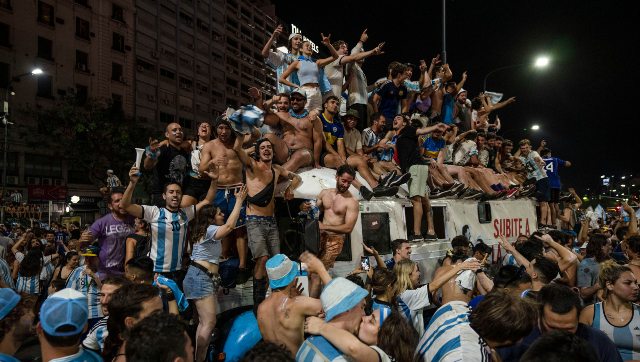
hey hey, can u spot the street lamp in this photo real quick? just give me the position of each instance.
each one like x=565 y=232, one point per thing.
x=5 y=121
x=535 y=127
x=539 y=63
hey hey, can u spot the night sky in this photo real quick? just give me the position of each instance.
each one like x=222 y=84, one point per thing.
x=584 y=102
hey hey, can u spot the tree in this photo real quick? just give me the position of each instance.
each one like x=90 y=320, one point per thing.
x=93 y=136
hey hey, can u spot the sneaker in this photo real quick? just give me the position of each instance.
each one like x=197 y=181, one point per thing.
x=511 y=193
x=243 y=275
x=366 y=193
x=458 y=188
x=438 y=194
x=400 y=180
x=386 y=179
x=470 y=194
x=382 y=191
x=415 y=238
x=430 y=237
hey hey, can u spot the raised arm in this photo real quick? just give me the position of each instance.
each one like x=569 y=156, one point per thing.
x=633 y=221
x=295 y=179
x=242 y=154
x=429 y=129
x=521 y=260
x=151 y=154
x=362 y=55
x=326 y=40
x=452 y=271
x=567 y=258
x=576 y=198
x=314 y=265
x=371 y=250
x=228 y=227
x=132 y=209
x=461 y=82
x=274 y=36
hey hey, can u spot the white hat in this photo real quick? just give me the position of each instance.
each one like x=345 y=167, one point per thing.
x=339 y=296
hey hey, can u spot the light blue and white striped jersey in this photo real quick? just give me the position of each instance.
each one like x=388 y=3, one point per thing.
x=627 y=338
x=318 y=349
x=384 y=308
x=449 y=337
x=29 y=285
x=5 y=274
x=47 y=269
x=95 y=338
x=411 y=302
x=168 y=235
x=83 y=283
x=509 y=259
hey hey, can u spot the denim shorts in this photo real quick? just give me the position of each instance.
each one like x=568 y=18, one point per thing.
x=198 y=285
x=262 y=232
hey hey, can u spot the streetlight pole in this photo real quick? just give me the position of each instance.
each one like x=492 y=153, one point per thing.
x=540 y=62
x=5 y=121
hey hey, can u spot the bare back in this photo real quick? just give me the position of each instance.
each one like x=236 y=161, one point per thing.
x=450 y=290
x=281 y=320
x=230 y=167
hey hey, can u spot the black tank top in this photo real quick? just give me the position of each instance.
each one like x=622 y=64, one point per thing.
x=264 y=197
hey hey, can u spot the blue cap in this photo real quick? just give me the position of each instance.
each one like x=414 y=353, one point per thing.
x=281 y=271
x=8 y=300
x=339 y=296
x=64 y=313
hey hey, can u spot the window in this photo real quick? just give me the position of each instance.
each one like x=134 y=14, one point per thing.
x=118 y=42
x=45 y=86
x=116 y=101
x=167 y=73
x=143 y=65
x=45 y=48
x=4 y=75
x=82 y=61
x=116 y=72
x=82 y=28
x=167 y=118
x=45 y=13
x=186 y=122
x=82 y=2
x=186 y=83
x=82 y=93
x=4 y=35
x=117 y=13
x=186 y=19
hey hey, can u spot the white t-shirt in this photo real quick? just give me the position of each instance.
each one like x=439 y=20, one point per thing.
x=335 y=73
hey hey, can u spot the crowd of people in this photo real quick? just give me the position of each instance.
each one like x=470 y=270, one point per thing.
x=142 y=282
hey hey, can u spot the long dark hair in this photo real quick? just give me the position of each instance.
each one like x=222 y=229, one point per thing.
x=204 y=219
x=67 y=257
x=398 y=338
x=125 y=302
x=31 y=265
x=594 y=247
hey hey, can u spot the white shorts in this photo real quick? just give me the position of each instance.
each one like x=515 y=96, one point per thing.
x=314 y=98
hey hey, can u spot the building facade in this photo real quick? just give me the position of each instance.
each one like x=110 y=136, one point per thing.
x=161 y=61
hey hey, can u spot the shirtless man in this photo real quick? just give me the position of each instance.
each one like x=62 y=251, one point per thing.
x=340 y=215
x=221 y=151
x=281 y=316
x=262 y=230
x=300 y=141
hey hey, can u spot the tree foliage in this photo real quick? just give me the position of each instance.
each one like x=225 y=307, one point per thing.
x=93 y=136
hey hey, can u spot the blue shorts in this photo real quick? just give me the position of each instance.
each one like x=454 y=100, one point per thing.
x=198 y=285
x=226 y=201
x=543 y=192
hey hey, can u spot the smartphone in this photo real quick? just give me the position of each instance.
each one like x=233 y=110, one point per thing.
x=364 y=261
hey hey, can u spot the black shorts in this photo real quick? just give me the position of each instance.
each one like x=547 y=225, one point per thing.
x=196 y=187
x=543 y=193
x=555 y=196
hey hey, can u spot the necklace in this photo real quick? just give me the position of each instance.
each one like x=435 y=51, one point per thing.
x=612 y=316
x=298 y=116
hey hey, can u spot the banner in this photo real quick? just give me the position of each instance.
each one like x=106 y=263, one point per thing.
x=47 y=193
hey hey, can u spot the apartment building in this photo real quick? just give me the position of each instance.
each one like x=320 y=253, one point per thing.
x=162 y=61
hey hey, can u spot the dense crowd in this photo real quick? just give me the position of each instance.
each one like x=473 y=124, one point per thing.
x=142 y=282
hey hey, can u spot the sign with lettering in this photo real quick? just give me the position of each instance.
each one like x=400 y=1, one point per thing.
x=46 y=193
x=296 y=30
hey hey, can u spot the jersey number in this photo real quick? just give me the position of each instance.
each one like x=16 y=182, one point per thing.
x=549 y=167
x=175 y=226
